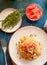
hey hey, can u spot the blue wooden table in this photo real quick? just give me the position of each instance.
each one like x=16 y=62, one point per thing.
x=25 y=22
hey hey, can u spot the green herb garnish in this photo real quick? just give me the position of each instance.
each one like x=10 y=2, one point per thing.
x=12 y=19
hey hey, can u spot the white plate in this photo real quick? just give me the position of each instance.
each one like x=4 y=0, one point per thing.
x=3 y=15
x=39 y=35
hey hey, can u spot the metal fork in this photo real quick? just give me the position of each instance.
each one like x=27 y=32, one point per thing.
x=4 y=47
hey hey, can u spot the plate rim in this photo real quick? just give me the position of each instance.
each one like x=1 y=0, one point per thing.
x=14 y=34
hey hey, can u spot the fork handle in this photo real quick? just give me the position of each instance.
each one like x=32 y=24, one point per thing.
x=5 y=59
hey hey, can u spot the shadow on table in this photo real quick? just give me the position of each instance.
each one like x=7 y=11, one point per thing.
x=6 y=4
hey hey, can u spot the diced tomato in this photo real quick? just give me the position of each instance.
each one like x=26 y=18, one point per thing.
x=25 y=47
x=33 y=12
x=34 y=17
x=28 y=10
x=40 y=12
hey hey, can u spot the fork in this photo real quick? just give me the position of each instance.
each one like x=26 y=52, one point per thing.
x=4 y=47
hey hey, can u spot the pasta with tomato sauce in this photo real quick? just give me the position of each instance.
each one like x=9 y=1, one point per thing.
x=29 y=48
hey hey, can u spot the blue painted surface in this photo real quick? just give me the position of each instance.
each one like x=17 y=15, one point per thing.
x=21 y=4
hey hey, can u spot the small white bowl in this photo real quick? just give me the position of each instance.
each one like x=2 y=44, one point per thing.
x=38 y=7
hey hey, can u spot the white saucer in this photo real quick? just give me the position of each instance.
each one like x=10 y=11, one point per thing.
x=3 y=15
